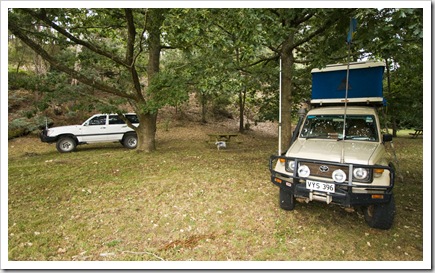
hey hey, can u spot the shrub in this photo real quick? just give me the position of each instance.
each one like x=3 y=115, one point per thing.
x=24 y=126
x=22 y=80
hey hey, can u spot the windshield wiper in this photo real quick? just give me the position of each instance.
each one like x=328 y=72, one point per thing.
x=354 y=138
x=314 y=136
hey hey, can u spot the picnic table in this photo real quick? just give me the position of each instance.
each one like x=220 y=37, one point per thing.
x=213 y=138
x=221 y=139
x=417 y=132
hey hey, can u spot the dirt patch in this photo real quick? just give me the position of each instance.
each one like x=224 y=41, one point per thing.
x=190 y=242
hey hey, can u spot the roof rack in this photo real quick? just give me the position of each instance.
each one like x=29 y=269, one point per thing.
x=377 y=101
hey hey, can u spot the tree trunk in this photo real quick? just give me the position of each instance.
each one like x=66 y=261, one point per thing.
x=203 y=108
x=394 y=128
x=146 y=132
x=148 y=121
x=287 y=88
x=242 y=99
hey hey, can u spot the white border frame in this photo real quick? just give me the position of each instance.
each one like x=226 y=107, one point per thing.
x=427 y=164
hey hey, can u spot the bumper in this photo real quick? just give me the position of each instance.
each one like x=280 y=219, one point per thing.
x=345 y=194
x=44 y=138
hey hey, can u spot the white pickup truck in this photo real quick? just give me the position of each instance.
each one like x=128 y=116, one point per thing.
x=337 y=152
x=98 y=128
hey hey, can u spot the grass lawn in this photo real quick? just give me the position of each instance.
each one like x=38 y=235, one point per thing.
x=190 y=202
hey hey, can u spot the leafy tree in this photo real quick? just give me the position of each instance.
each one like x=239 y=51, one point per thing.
x=220 y=54
x=226 y=51
x=396 y=37
x=303 y=36
x=19 y=54
x=119 y=54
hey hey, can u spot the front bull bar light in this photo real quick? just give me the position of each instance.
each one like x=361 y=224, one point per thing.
x=303 y=171
x=339 y=176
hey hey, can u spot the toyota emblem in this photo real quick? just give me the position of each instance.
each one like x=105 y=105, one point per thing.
x=323 y=168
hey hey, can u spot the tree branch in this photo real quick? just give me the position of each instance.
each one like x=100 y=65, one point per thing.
x=141 y=38
x=131 y=35
x=75 y=74
x=131 y=29
x=42 y=16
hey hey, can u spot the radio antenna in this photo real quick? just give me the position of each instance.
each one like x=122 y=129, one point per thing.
x=279 y=119
x=352 y=28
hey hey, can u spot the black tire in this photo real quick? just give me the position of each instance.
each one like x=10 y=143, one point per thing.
x=66 y=144
x=286 y=200
x=130 y=141
x=380 y=216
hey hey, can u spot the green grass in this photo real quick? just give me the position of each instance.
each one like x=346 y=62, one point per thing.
x=189 y=201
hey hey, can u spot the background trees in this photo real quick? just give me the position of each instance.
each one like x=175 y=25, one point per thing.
x=396 y=37
x=112 y=50
x=144 y=59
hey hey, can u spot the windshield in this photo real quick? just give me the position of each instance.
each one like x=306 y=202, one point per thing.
x=358 y=127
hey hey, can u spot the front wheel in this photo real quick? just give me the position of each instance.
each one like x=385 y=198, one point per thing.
x=380 y=216
x=66 y=144
x=286 y=200
x=130 y=141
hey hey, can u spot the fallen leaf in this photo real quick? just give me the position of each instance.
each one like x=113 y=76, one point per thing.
x=61 y=250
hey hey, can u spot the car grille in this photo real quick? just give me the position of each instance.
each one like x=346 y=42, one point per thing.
x=324 y=170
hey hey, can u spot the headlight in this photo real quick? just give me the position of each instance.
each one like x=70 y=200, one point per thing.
x=360 y=173
x=304 y=171
x=339 y=176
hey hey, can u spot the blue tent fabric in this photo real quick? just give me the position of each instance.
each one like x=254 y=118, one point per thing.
x=363 y=83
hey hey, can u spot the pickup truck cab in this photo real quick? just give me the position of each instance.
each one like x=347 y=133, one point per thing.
x=337 y=155
x=98 y=128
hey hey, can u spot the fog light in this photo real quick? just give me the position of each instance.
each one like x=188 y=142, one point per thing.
x=339 y=176
x=304 y=171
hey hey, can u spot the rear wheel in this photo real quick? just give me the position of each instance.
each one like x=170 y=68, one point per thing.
x=286 y=200
x=130 y=141
x=66 y=144
x=380 y=216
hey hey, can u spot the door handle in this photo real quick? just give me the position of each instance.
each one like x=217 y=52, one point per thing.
x=103 y=128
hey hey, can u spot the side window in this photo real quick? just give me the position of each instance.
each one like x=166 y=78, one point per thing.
x=132 y=118
x=114 y=119
x=99 y=120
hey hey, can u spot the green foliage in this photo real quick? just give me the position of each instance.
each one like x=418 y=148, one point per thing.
x=218 y=54
x=18 y=127
x=26 y=125
x=395 y=36
x=171 y=85
x=22 y=80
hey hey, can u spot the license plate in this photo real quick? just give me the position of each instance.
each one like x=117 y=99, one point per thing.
x=320 y=186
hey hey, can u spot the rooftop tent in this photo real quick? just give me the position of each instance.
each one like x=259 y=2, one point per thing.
x=365 y=83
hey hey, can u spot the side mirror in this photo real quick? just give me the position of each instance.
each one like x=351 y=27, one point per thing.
x=387 y=138
x=302 y=112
